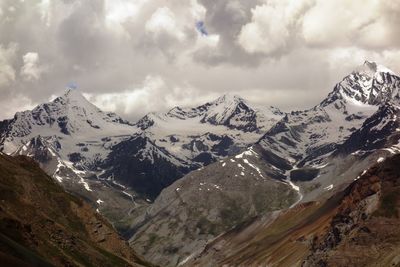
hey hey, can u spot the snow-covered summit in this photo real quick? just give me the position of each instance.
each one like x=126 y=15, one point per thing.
x=372 y=68
x=66 y=116
x=228 y=110
x=370 y=84
x=306 y=138
x=73 y=95
x=227 y=99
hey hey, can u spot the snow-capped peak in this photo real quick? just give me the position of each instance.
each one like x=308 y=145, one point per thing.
x=222 y=105
x=228 y=110
x=370 y=84
x=68 y=115
x=228 y=99
x=74 y=94
x=73 y=97
x=371 y=69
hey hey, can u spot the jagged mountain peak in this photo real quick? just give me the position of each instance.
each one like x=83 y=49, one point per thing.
x=370 y=84
x=228 y=98
x=67 y=115
x=72 y=98
x=371 y=68
x=228 y=110
x=225 y=101
x=73 y=94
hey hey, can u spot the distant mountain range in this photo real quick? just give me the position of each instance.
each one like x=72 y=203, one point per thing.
x=174 y=181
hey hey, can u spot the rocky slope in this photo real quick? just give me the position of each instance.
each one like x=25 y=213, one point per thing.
x=356 y=226
x=206 y=203
x=183 y=139
x=42 y=225
x=68 y=136
x=306 y=138
x=312 y=153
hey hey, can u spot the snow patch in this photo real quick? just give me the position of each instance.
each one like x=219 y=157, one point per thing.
x=295 y=187
x=248 y=152
x=380 y=159
x=329 y=187
x=321 y=166
x=254 y=167
x=129 y=195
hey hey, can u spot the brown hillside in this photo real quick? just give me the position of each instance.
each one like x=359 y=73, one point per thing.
x=42 y=225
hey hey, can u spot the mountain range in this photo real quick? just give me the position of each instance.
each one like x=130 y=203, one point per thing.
x=100 y=156
x=181 y=183
x=306 y=156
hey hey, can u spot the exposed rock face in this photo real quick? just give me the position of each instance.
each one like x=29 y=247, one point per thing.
x=357 y=226
x=364 y=231
x=142 y=165
x=381 y=130
x=42 y=225
x=174 y=143
x=307 y=138
x=206 y=203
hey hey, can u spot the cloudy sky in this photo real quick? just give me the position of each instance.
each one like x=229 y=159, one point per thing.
x=136 y=56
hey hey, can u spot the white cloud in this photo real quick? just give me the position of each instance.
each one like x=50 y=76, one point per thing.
x=348 y=58
x=163 y=20
x=197 y=11
x=266 y=33
x=118 y=12
x=44 y=8
x=337 y=20
x=366 y=24
x=277 y=24
x=31 y=70
x=211 y=40
x=17 y=102
x=141 y=98
x=7 y=56
x=154 y=94
x=272 y=26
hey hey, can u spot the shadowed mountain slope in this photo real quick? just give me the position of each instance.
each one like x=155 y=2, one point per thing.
x=42 y=225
